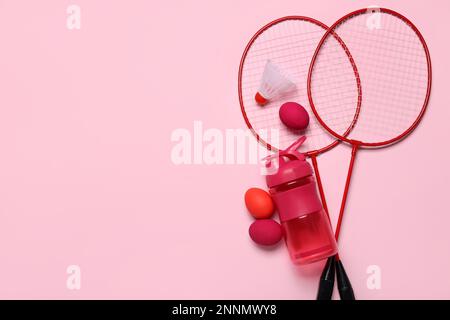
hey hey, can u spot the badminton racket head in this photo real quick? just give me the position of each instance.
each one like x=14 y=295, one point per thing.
x=289 y=43
x=393 y=69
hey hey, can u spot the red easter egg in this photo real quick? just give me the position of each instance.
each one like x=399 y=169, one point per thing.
x=259 y=203
x=294 y=116
x=265 y=232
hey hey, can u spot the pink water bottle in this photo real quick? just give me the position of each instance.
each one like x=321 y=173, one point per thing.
x=306 y=227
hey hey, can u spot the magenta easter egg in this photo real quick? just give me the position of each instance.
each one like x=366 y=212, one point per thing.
x=265 y=232
x=294 y=116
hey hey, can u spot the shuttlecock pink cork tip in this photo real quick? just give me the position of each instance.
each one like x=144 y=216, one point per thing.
x=260 y=99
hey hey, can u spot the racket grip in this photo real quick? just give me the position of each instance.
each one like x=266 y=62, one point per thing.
x=343 y=282
x=326 y=283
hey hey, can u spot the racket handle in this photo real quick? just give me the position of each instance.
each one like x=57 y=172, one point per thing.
x=344 y=285
x=326 y=283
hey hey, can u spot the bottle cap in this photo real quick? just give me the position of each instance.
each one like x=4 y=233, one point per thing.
x=292 y=165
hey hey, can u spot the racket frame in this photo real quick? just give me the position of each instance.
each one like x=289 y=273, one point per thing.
x=345 y=137
x=241 y=67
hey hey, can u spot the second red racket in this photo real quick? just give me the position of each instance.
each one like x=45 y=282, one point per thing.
x=394 y=72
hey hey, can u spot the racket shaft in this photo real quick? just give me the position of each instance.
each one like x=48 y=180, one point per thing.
x=346 y=190
x=326 y=283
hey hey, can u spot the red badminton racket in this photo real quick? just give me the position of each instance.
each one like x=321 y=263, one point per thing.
x=289 y=43
x=394 y=72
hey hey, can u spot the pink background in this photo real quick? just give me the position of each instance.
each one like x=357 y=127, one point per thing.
x=86 y=176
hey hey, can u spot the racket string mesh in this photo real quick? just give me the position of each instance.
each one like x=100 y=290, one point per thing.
x=290 y=45
x=392 y=67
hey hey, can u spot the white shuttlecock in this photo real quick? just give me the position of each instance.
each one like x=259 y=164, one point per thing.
x=274 y=83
